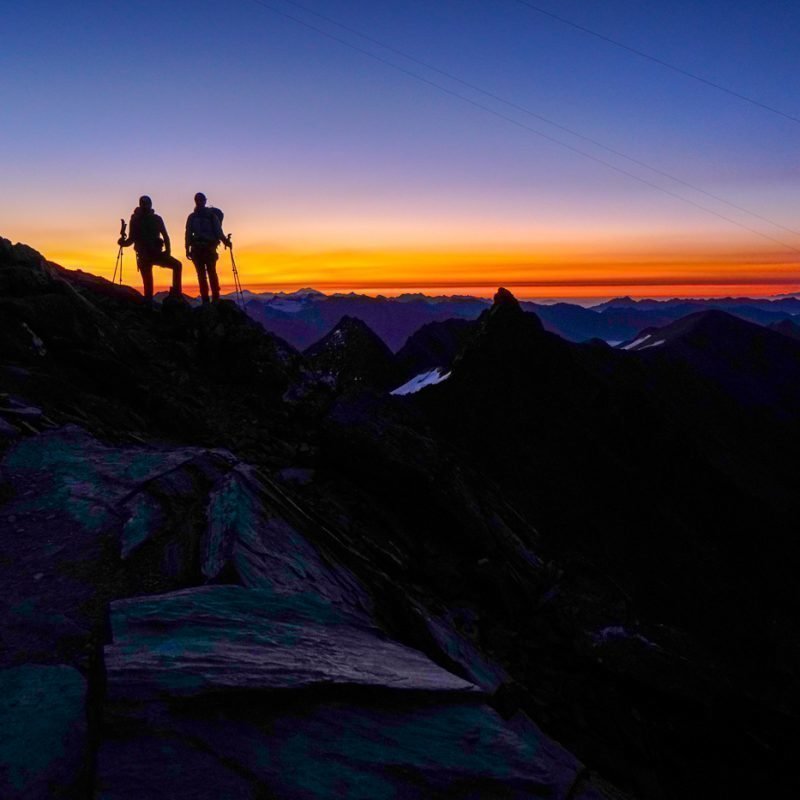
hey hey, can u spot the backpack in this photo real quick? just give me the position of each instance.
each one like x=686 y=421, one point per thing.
x=203 y=229
x=149 y=232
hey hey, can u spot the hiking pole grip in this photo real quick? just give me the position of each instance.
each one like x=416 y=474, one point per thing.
x=123 y=229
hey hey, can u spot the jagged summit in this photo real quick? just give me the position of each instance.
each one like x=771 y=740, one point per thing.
x=506 y=311
x=504 y=299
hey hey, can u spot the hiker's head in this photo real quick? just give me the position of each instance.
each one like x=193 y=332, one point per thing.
x=145 y=203
x=200 y=200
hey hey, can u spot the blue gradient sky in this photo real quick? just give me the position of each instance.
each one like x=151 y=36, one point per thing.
x=337 y=170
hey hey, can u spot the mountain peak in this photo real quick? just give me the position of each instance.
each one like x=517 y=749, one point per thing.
x=348 y=323
x=352 y=353
x=504 y=299
x=506 y=311
x=711 y=327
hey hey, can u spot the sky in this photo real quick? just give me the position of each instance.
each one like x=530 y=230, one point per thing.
x=347 y=165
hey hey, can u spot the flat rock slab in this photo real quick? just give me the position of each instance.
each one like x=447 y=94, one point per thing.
x=226 y=691
x=223 y=638
x=43 y=740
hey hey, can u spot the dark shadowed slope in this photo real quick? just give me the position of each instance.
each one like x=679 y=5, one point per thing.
x=755 y=368
x=672 y=471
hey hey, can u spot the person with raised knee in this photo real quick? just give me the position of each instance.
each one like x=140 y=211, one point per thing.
x=150 y=240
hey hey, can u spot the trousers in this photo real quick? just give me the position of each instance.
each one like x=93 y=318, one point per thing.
x=145 y=263
x=204 y=258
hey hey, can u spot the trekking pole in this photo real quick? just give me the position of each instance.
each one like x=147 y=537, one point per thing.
x=236 y=282
x=122 y=233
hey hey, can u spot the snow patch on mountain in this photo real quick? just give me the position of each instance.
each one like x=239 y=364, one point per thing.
x=634 y=344
x=429 y=378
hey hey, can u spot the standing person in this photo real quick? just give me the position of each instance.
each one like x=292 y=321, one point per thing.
x=203 y=235
x=150 y=239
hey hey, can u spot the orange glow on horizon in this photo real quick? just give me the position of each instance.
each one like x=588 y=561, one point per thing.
x=554 y=272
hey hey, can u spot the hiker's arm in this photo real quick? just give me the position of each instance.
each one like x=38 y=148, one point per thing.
x=167 y=245
x=221 y=237
x=188 y=237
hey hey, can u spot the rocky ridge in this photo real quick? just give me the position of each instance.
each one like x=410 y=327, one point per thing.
x=201 y=602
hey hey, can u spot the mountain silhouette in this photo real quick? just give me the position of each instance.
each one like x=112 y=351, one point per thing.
x=352 y=355
x=303 y=317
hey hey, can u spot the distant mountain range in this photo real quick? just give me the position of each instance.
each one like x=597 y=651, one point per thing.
x=305 y=316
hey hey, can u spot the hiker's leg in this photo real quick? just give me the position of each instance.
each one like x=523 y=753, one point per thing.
x=201 y=276
x=177 y=270
x=213 y=279
x=146 y=268
x=177 y=276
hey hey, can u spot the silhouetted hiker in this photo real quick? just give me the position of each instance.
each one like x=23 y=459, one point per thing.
x=149 y=237
x=203 y=235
